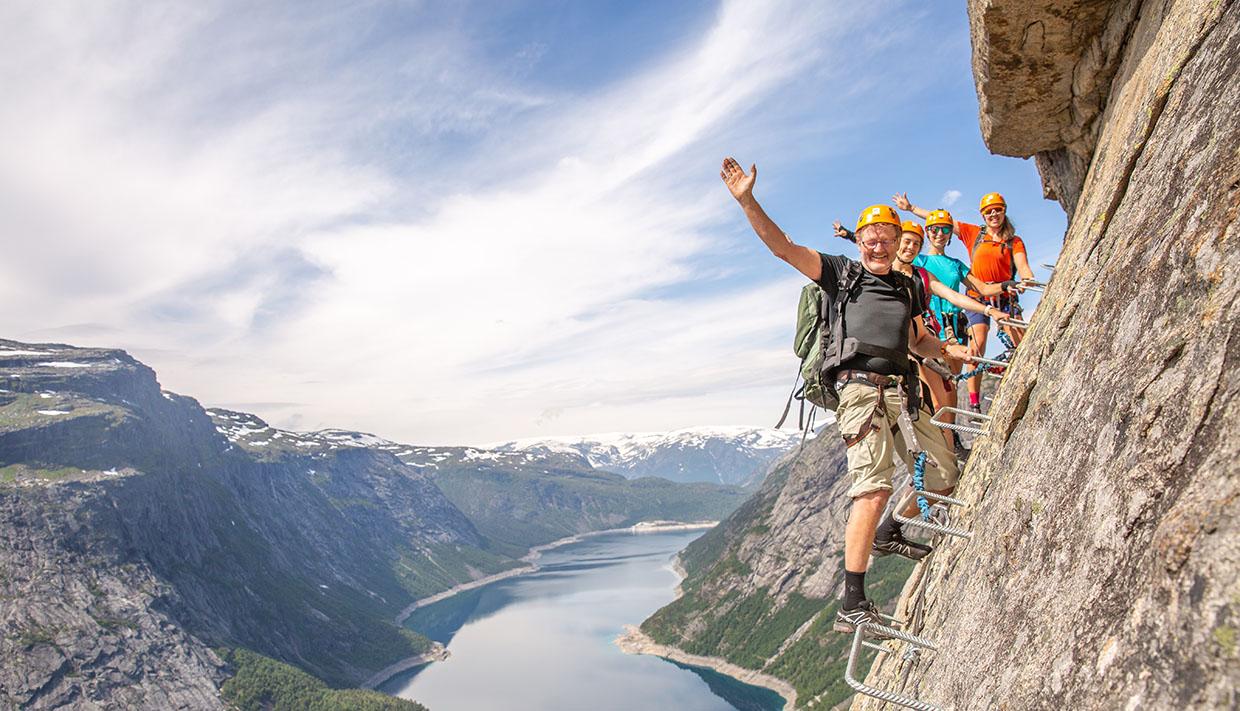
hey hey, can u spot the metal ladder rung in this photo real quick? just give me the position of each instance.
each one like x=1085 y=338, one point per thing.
x=928 y=525
x=1033 y=285
x=990 y=361
x=1012 y=322
x=863 y=688
x=1048 y=266
x=960 y=428
x=877 y=647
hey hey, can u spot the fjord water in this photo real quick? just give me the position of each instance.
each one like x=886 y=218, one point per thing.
x=545 y=641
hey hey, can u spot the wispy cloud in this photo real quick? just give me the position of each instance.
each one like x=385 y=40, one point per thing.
x=950 y=197
x=393 y=230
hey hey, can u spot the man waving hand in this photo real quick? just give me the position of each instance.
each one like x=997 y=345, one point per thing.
x=868 y=364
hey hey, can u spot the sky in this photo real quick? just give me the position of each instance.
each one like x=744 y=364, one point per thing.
x=461 y=223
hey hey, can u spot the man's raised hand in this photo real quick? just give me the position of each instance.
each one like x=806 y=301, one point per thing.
x=839 y=230
x=739 y=183
x=901 y=200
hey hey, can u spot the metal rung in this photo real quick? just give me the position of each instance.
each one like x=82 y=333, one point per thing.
x=928 y=525
x=863 y=688
x=1048 y=266
x=962 y=413
x=902 y=636
x=989 y=361
x=1013 y=322
x=876 y=647
x=893 y=620
x=959 y=428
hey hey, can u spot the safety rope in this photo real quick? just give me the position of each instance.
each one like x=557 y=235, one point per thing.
x=1005 y=339
x=919 y=483
x=1004 y=356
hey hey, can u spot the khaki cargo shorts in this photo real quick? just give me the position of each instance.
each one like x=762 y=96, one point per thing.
x=871 y=461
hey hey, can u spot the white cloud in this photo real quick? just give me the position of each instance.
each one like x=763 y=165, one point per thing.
x=279 y=226
x=950 y=197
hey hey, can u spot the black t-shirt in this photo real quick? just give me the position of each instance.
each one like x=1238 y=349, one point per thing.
x=878 y=314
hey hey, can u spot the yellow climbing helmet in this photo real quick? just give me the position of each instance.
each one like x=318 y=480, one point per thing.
x=939 y=217
x=910 y=226
x=990 y=200
x=878 y=214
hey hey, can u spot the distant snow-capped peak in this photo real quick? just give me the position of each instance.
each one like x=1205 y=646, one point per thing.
x=728 y=455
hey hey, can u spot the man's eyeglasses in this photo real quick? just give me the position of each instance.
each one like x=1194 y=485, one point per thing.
x=875 y=243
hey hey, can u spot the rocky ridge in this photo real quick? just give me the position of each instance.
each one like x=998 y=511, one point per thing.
x=726 y=455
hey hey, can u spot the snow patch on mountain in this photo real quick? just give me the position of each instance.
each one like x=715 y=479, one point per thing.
x=727 y=455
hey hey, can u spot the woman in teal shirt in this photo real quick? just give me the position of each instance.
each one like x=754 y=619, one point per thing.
x=952 y=272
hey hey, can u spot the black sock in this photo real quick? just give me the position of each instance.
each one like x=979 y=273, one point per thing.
x=854 y=589
x=889 y=528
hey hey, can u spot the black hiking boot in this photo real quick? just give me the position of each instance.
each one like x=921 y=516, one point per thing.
x=899 y=545
x=846 y=621
x=962 y=452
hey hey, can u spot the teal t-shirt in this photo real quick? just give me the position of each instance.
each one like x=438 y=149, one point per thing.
x=950 y=271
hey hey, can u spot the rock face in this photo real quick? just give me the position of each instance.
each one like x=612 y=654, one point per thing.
x=1104 y=571
x=1044 y=72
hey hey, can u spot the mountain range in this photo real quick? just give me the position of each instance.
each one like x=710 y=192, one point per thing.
x=723 y=455
x=158 y=553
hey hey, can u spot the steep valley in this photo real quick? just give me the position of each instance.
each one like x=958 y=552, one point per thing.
x=147 y=538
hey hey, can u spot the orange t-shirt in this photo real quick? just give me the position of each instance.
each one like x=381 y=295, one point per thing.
x=992 y=262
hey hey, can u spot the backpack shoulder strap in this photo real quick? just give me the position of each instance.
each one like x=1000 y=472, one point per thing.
x=1004 y=245
x=852 y=275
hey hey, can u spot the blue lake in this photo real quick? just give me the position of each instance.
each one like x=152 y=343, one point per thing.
x=544 y=641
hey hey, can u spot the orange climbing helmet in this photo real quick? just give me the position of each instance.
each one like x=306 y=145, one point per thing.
x=878 y=215
x=939 y=217
x=990 y=200
x=910 y=226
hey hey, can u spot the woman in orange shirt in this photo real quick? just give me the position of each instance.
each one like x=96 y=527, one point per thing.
x=997 y=256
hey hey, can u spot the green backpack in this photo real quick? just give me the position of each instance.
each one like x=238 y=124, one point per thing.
x=813 y=344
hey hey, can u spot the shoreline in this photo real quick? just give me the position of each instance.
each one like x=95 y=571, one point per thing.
x=634 y=641
x=531 y=557
x=437 y=653
x=531 y=566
